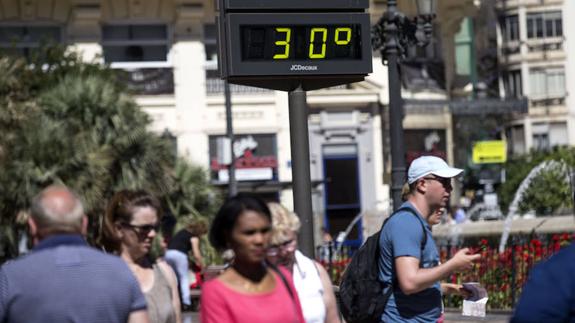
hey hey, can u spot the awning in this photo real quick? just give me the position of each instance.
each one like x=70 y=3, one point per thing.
x=262 y=186
x=488 y=106
x=468 y=107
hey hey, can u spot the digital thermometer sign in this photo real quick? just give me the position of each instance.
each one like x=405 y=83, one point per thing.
x=300 y=5
x=260 y=40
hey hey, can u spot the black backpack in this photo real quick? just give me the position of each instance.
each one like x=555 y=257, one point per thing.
x=361 y=298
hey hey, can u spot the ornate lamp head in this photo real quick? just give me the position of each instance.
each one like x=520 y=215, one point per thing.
x=425 y=7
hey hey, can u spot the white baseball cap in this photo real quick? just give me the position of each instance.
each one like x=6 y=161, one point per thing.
x=426 y=165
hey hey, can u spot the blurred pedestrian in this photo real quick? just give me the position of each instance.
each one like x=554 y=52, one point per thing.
x=249 y=290
x=311 y=280
x=179 y=247
x=407 y=265
x=327 y=248
x=326 y=236
x=460 y=215
x=549 y=293
x=63 y=279
x=131 y=224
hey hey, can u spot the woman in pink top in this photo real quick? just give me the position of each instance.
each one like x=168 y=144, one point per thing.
x=249 y=290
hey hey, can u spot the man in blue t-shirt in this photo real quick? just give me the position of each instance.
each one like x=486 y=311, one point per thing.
x=63 y=279
x=413 y=273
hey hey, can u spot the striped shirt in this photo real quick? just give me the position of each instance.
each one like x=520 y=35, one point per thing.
x=65 y=280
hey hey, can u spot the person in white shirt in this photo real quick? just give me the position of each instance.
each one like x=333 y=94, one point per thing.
x=311 y=280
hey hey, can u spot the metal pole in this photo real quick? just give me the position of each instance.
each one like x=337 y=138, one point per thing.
x=232 y=184
x=390 y=52
x=299 y=138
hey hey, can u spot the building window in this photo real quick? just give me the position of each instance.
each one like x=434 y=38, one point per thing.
x=558 y=134
x=547 y=135
x=510 y=27
x=513 y=85
x=540 y=135
x=135 y=43
x=24 y=40
x=540 y=141
x=141 y=51
x=516 y=142
x=547 y=83
x=544 y=25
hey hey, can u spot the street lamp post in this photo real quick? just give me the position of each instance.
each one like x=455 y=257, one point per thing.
x=232 y=183
x=392 y=34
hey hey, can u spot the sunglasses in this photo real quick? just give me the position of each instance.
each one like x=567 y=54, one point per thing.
x=446 y=182
x=288 y=246
x=142 y=230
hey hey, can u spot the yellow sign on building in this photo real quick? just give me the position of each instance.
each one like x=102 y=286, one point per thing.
x=490 y=152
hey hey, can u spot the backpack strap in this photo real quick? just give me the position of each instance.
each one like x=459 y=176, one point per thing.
x=421 y=247
x=410 y=210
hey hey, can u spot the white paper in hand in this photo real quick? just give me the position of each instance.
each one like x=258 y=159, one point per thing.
x=476 y=303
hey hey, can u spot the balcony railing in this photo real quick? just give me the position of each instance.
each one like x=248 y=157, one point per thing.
x=148 y=81
x=513 y=4
x=548 y=101
x=215 y=86
x=511 y=48
x=545 y=45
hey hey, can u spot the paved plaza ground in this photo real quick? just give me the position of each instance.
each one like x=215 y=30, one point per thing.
x=453 y=316
x=450 y=317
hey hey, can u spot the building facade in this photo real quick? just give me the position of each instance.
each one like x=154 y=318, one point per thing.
x=536 y=60
x=168 y=54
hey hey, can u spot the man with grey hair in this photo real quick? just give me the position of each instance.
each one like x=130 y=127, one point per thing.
x=63 y=279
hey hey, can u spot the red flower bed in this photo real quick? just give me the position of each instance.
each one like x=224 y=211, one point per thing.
x=336 y=263
x=502 y=274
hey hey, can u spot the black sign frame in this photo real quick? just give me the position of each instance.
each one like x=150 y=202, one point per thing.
x=276 y=75
x=296 y=4
x=301 y=68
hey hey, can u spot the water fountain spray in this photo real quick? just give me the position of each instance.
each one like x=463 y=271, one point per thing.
x=514 y=206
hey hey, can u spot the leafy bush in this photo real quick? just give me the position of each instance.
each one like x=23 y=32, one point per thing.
x=548 y=193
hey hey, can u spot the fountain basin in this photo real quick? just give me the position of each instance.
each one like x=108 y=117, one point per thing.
x=550 y=224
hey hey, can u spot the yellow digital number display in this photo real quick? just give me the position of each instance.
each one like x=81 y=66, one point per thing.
x=343 y=30
x=314 y=32
x=284 y=43
x=301 y=42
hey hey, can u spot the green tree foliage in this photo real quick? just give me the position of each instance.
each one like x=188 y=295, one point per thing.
x=191 y=195
x=548 y=193
x=71 y=122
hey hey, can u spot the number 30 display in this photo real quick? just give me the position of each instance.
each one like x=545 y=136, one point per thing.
x=342 y=37
x=302 y=42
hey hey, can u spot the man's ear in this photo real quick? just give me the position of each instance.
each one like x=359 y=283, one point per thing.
x=421 y=185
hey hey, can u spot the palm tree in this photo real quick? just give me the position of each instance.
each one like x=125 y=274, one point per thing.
x=71 y=122
x=191 y=195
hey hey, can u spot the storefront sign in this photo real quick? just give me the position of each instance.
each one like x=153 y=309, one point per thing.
x=428 y=142
x=255 y=158
x=490 y=152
